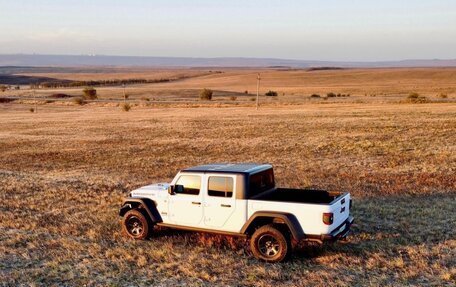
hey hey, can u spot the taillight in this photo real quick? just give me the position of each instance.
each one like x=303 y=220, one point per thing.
x=328 y=218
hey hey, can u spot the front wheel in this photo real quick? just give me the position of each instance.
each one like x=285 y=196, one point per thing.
x=136 y=225
x=270 y=244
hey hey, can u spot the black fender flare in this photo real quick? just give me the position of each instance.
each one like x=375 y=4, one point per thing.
x=277 y=217
x=147 y=204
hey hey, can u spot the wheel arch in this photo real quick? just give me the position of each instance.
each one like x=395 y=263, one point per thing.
x=147 y=204
x=261 y=218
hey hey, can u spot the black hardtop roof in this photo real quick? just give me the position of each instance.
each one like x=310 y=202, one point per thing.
x=246 y=168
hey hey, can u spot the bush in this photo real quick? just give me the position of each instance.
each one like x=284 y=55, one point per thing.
x=145 y=99
x=253 y=99
x=416 y=98
x=89 y=93
x=442 y=96
x=126 y=107
x=315 y=96
x=6 y=100
x=32 y=110
x=331 y=95
x=3 y=88
x=78 y=101
x=233 y=98
x=271 y=94
x=246 y=92
x=413 y=96
x=206 y=94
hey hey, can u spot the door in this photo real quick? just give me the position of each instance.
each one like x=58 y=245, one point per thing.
x=185 y=208
x=219 y=201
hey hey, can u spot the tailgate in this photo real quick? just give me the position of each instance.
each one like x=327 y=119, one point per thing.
x=340 y=208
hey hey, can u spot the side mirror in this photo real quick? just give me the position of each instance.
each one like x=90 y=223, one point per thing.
x=178 y=188
x=171 y=190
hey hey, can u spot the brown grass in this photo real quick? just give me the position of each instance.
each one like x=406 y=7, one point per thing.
x=65 y=169
x=293 y=86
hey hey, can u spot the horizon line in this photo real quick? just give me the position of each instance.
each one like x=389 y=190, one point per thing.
x=228 y=57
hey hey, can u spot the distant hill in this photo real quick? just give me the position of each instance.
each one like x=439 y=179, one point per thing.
x=98 y=60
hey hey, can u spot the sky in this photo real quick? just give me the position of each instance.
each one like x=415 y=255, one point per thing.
x=335 y=30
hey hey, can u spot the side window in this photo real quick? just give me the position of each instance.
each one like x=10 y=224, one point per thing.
x=220 y=186
x=191 y=183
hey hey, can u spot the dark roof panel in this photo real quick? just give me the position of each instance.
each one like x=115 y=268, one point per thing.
x=229 y=167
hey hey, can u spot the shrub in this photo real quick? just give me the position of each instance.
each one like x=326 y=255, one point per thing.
x=3 y=88
x=89 y=93
x=206 y=94
x=315 y=96
x=145 y=99
x=253 y=99
x=126 y=107
x=246 y=92
x=271 y=94
x=442 y=96
x=78 y=101
x=6 y=100
x=331 y=95
x=233 y=98
x=32 y=110
x=416 y=98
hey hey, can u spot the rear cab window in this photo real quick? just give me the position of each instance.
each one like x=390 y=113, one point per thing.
x=261 y=182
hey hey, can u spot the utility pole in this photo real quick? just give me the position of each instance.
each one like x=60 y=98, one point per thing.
x=34 y=97
x=125 y=95
x=258 y=90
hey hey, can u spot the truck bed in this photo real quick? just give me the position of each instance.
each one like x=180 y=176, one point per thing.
x=314 y=196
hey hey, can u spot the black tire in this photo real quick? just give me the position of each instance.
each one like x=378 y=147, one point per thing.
x=270 y=244
x=136 y=224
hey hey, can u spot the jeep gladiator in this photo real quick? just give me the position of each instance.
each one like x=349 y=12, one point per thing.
x=239 y=200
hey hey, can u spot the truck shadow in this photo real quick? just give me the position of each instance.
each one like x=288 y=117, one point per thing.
x=392 y=225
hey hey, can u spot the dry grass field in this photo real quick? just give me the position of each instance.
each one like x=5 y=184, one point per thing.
x=64 y=170
x=293 y=86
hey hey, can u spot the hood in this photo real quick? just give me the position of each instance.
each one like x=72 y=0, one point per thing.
x=151 y=190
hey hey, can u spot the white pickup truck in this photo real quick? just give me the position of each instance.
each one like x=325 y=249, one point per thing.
x=240 y=200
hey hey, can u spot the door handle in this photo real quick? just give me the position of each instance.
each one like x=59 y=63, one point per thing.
x=197 y=203
x=225 y=205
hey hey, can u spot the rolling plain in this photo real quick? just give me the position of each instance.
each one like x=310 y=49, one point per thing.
x=65 y=168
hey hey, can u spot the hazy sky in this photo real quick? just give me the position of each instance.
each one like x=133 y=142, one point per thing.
x=313 y=30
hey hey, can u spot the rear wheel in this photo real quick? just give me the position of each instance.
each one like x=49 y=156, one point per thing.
x=136 y=225
x=270 y=244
